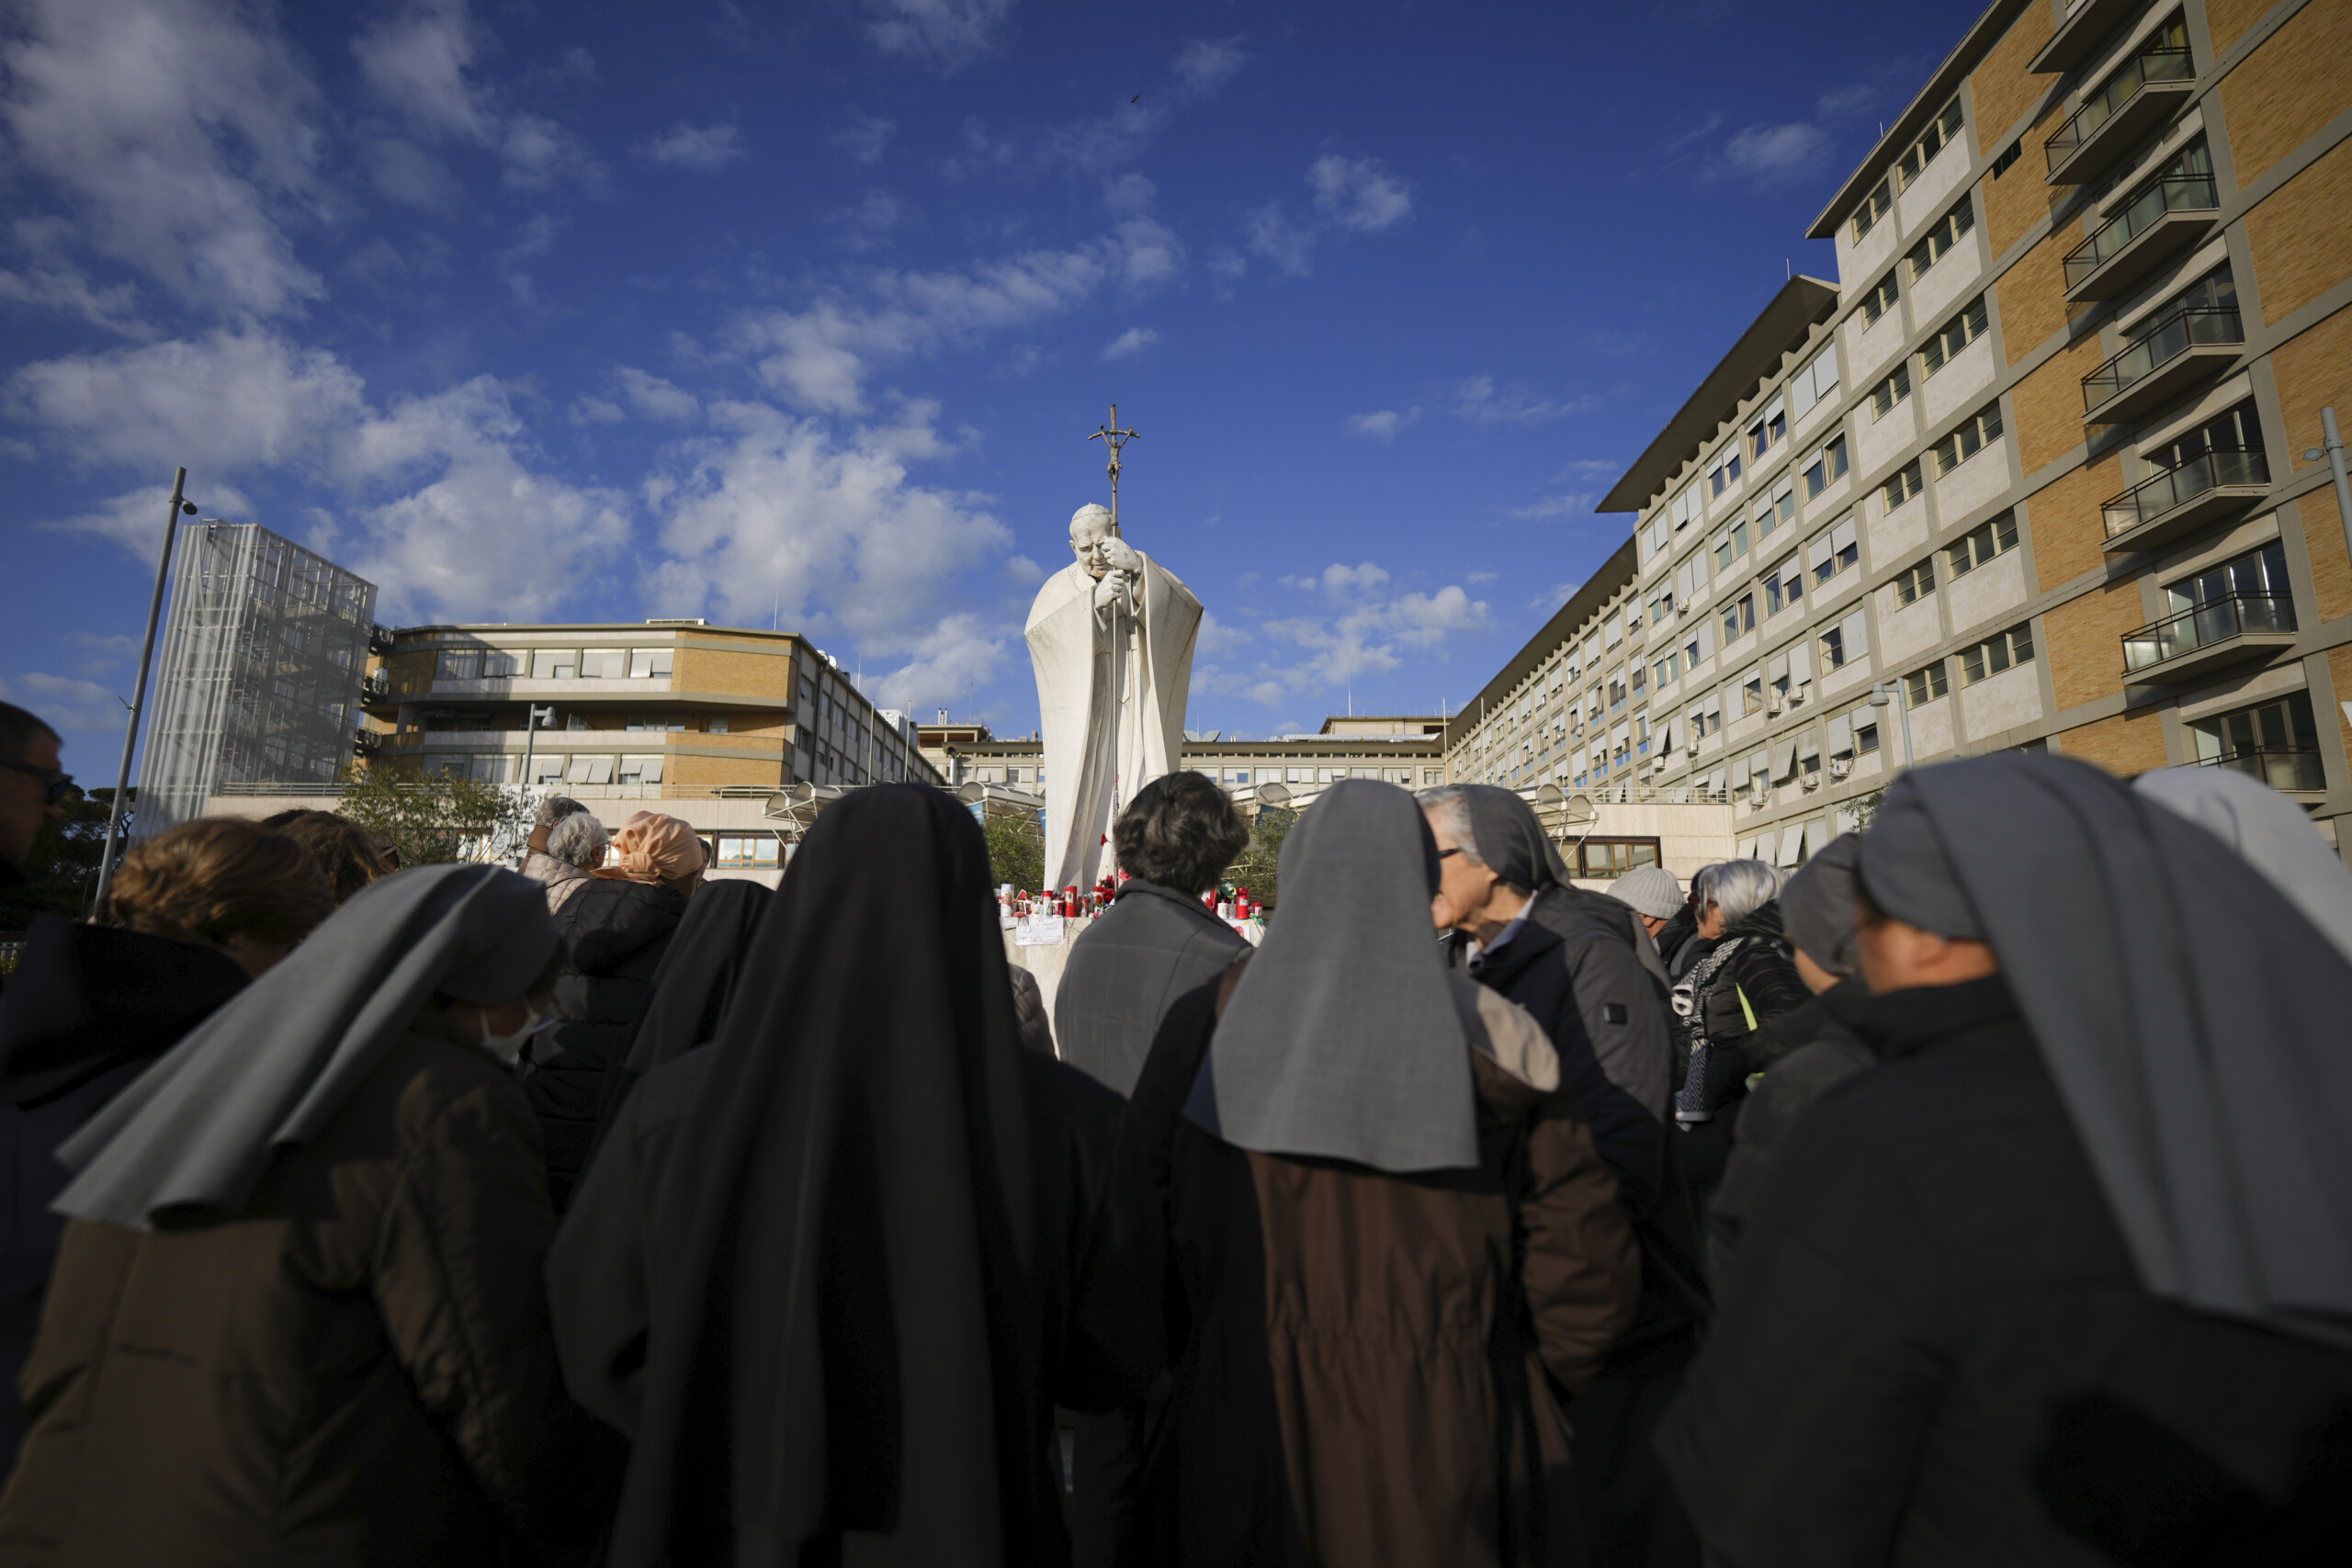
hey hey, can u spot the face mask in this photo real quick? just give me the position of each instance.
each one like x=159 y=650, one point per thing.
x=508 y=1046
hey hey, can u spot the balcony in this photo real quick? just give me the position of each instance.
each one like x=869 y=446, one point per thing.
x=2175 y=353
x=2187 y=646
x=2177 y=501
x=2150 y=89
x=2290 y=770
x=2084 y=28
x=2170 y=215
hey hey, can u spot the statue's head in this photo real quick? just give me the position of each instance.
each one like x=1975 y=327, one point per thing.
x=1091 y=529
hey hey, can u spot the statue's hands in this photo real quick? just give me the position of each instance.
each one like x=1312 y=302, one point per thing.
x=1122 y=556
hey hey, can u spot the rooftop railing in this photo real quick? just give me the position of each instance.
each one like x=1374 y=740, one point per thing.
x=2209 y=469
x=2174 y=192
x=2281 y=767
x=2165 y=341
x=2215 y=621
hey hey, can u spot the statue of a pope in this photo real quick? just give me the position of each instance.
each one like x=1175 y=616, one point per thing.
x=1111 y=637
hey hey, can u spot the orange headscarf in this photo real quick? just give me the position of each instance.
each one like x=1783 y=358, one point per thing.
x=651 y=847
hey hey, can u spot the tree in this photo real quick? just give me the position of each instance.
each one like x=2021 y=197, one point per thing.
x=1016 y=850
x=62 y=868
x=424 y=820
x=1257 y=867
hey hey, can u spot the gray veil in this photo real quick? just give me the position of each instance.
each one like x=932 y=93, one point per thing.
x=2273 y=834
x=1342 y=1039
x=2194 y=1021
x=198 y=1129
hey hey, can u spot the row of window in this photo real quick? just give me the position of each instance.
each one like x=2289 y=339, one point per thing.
x=1941 y=133
x=554 y=664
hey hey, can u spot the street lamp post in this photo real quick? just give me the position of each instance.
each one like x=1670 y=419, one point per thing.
x=532 y=719
x=139 y=693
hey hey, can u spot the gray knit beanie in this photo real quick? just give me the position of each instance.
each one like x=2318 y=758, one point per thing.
x=1649 y=890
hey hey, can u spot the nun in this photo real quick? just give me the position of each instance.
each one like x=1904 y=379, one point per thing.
x=699 y=972
x=1395 y=1249
x=297 y=1316
x=2067 y=1276
x=819 y=1272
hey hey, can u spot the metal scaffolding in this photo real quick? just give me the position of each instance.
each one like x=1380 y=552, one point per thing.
x=260 y=676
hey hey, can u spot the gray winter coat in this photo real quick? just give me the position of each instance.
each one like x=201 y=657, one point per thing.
x=1126 y=969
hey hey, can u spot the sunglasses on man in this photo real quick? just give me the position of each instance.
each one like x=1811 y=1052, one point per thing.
x=54 y=784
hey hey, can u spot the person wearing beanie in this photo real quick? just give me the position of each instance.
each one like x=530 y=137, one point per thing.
x=1652 y=893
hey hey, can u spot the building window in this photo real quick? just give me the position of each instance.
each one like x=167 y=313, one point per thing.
x=1817 y=379
x=1833 y=552
x=1939 y=135
x=654 y=721
x=2277 y=742
x=1890 y=392
x=1784 y=586
x=464 y=666
x=640 y=769
x=1782 y=508
x=1769 y=431
x=1731 y=547
x=716 y=724
x=1751 y=693
x=1996 y=653
x=1902 y=486
x=604 y=664
x=1981 y=544
x=1923 y=686
x=649 y=663
x=1725 y=473
x=546 y=768
x=1941 y=237
x=1916 y=584
x=1880 y=301
x=500 y=666
x=2235 y=432
x=2009 y=156
x=1977 y=431
x=1865 y=730
x=1848 y=640
x=1874 y=207
x=1829 y=466
x=1739 y=619
x=1954 y=335
x=1606 y=859
x=748 y=852
x=589 y=770
x=1670 y=669
x=552 y=664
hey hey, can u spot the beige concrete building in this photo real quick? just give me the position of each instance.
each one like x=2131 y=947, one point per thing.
x=2039 y=462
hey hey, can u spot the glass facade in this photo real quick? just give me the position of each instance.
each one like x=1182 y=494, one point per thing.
x=259 y=678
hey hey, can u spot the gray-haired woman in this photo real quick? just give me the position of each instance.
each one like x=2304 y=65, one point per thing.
x=1745 y=978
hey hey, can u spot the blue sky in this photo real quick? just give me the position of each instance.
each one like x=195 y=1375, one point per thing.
x=803 y=313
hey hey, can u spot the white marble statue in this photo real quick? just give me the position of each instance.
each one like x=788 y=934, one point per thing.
x=1111 y=637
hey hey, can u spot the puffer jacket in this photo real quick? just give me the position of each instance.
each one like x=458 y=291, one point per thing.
x=1758 y=982
x=356 y=1367
x=615 y=933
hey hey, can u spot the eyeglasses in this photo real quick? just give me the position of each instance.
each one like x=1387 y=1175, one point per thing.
x=53 y=783
x=1442 y=853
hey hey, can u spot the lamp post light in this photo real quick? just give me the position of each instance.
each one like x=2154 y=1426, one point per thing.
x=139 y=693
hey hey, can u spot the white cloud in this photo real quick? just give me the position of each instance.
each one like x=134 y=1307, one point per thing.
x=1373 y=637
x=1092 y=146
x=420 y=63
x=948 y=34
x=865 y=137
x=1129 y=193
x=1476 y=399
x=871 y=222
x=1129 y=343
x=1383 y=423
x=1570 y=505
x=225 y=401
x=1774 y=153
x=652 y=396
x=71 y=705
x=779 y=514
x=1341 y=580
x=1359 y=193
x=134 y=519
x=184 y=137
x=1273 y=236
x=1203 y=65
x=701 y=149
x=821 y=355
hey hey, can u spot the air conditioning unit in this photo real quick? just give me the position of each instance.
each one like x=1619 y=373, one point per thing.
x=1691 y=750
x=1657 y=763
x=1773 y=705
x=1840 y=767
x=1810 y=782
x=1801 y=692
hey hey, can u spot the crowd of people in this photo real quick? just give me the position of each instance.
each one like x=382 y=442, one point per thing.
x=1977 y=1193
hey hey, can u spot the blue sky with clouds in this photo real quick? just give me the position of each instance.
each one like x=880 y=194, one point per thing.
x=803 y=313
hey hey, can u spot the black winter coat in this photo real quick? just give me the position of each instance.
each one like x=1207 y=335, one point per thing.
x=1760 y=976
x=1604 y=1017
x=1126 y=969
x=615 y=933
x=1934 y=1347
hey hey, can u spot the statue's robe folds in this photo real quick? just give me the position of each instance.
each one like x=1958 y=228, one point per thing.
x=1100 y=751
